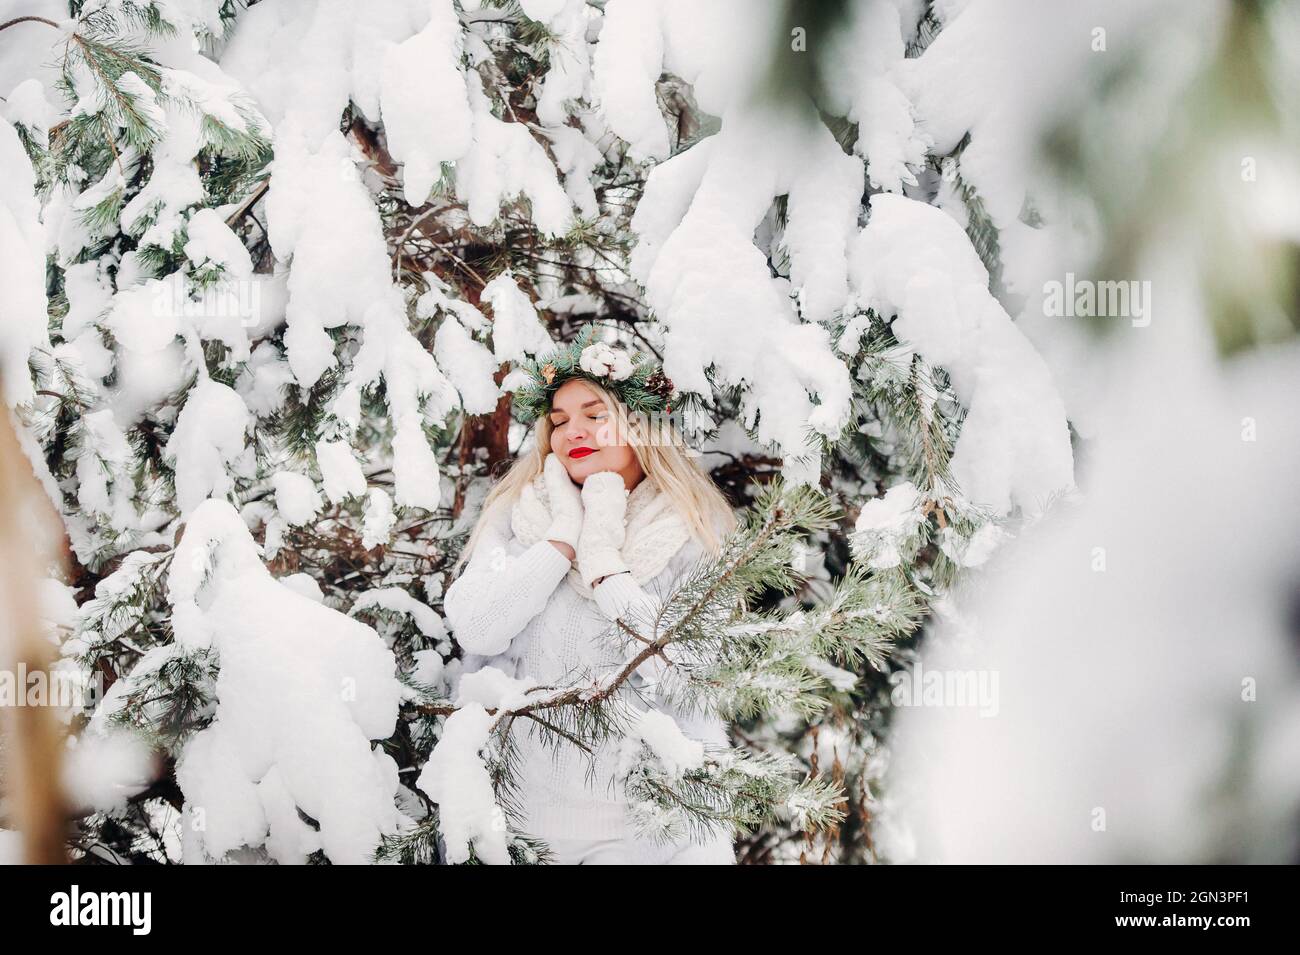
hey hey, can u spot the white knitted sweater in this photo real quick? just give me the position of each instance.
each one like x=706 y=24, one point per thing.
x=519 y=606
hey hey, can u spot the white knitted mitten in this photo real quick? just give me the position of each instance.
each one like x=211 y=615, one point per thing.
x=604 y=500
x=565 y=502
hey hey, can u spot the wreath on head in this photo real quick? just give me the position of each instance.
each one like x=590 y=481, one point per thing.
x=637 y=379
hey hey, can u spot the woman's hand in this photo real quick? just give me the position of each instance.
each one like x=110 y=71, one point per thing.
x=604 y=500
x=566 y=506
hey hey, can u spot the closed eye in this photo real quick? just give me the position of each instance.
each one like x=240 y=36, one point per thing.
x=594 y=416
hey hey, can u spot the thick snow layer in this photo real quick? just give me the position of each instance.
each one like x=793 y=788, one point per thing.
x=543 y=11
x=302 y=691
x=884 y=524
x=456 y=779
x=103 y=769
x=710 y=285
x=718 y=47
x=341 y=475
x=1143 y=636
x=104 y=464
x=28 y=106
x=973 y=79
x=704 y=277
x=517 y=331
x=22 y=268
x=396 y=600
x=441 y=296
x=570 y=65
x=861 y=75
x=296 y=497
x=470 y=366
x=208 y=438
x=577 y=158
x=913 y=263
x=491 y=688
x=675 y=750
x=416 y=388
x=378 y=519
x=213 y=242
x=506 y=163
x=320 y=213
x=626 y=65
x=429 y=668
x=424 y=103
x=670 y=187
x=156 y=213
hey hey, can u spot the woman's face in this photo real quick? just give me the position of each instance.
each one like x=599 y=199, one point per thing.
x=583 y=435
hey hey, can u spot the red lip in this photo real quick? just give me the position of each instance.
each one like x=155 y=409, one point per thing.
x=581 y=452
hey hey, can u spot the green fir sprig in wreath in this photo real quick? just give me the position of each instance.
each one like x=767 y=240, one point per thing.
x=637 y=379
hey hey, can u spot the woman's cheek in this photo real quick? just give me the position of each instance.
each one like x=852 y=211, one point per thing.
x=614 y=457
x=605 y=435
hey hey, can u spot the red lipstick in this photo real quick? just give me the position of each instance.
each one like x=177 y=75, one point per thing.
x=581 y=452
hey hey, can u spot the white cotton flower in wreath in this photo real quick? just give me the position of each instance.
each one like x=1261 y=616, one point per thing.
x=601 y=361
x=622 y=366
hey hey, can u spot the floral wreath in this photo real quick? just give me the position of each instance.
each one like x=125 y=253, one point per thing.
x=637 y=379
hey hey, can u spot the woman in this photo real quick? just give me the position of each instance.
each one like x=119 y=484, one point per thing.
x=590 y=525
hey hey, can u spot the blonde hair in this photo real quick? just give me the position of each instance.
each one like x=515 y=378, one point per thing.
x=698 y=501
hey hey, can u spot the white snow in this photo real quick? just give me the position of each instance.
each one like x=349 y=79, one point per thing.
x=517 y=331
x=212 y=241
x=22 y=268
x=862 y=75
x=396 y=600
x=507 y=163
x=626 y=65
x=665 y=738
x=424 y=103
x=577 y=158
x=914 y=262
x=90 y=295
x=429 y=668
x=304 y=584
x=101 y=770
x=469 y=364
x=144 y=318
x=456 y=779
x=301 y=692
x=209 y=436
x=416 y=389
x=710 y=286
x=1128 y=629
x=296 y=497
x=885 y=523
x=378 y=520
x=491 y=688
x=570 y=65
x=341 y=475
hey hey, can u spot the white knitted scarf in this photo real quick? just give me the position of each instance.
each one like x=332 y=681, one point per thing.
x=655 y=530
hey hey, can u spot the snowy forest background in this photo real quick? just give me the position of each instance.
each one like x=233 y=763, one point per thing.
x=268 y=269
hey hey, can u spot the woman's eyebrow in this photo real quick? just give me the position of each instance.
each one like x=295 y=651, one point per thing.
x=585 y=404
